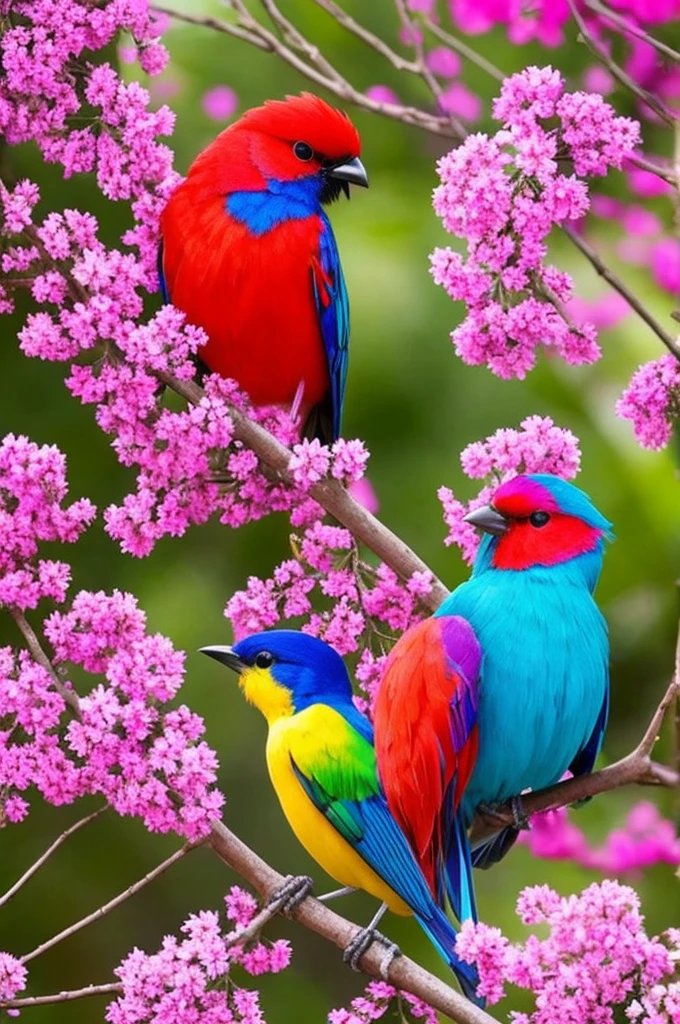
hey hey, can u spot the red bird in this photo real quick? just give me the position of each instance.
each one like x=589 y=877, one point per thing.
x=249 y=255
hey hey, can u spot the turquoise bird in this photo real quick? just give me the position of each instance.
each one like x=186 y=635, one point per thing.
x=322 y=765
x=505 y=687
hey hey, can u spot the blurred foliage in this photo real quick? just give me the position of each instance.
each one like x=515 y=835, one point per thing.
x=416 y=406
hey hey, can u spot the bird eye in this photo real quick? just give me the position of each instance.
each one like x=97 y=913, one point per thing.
x=264 y=659
x=303 y=151
x=539 y=519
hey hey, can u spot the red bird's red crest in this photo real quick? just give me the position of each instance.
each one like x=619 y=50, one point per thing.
x=309 y=119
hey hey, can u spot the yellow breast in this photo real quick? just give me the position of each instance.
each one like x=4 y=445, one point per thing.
x=300 y=732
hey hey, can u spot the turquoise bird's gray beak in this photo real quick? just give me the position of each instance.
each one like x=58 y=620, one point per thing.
x=488 y=520
x=226 y=656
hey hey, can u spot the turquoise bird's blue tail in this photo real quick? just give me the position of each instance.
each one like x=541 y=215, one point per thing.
x=442 y=935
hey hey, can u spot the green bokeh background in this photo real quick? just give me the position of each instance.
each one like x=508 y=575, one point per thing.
x=416 y=406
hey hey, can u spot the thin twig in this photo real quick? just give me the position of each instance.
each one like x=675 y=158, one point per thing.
x=375 y=42
x=114 y=987
x=632 y=29
x=605 y=272
x=41 y=658
x=111 y=905
x=462 y=48
x=47 y=854
x=619 y=74
x=253 y=32
x=430 y=80
x=653 y=168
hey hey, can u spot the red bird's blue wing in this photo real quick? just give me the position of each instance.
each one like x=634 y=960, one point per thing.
x=332 y=306
x=425 y=724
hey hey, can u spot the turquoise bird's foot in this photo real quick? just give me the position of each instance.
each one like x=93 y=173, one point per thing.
x=294 y=890
x=519 y=816
x=362 y=941
x=520 y=820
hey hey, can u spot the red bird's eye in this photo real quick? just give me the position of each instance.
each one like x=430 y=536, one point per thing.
x=303 y=151
x=539 y=518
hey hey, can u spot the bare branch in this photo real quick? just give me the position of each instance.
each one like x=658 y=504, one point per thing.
x=619 y=74
x=430 y=80
x=632 y=29
x=111 y=905
x=649 y=165
x=375 y=42
x=38 y=655
x=608 y=274
x=462 y=48
x=47 y=854
x=253 y=32
x=114 y=988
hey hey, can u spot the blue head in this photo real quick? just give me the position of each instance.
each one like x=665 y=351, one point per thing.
x=282 y=671
x=540 y=521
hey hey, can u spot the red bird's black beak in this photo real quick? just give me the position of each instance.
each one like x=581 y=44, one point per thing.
x=346 y=173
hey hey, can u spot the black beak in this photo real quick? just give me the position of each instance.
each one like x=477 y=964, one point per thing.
x=226 y=656
x=488 y=519
x=349 y=172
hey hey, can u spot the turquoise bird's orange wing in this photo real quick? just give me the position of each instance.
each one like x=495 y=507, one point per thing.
x=426 y=742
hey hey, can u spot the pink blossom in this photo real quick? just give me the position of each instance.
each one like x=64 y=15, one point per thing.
x=596 y=958
x=219 y=103
x=382 y=94
x=364 y=492
x=12 y=976
x=457 y=99
x=502 y=195
x=650 y=401
x=443 y=61
x=665 y=258
x=538 y=447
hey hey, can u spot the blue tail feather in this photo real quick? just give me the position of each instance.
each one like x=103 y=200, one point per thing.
x=442 y=935
x=458 y=872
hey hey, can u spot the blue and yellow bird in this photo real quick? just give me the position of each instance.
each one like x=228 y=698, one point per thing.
x=322 y=765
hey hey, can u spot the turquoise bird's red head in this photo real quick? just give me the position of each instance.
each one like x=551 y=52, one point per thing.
x=538 y=520
x=249 y=255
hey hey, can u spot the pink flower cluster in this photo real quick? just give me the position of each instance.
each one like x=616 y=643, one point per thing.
x=652 y=401
x=33 y=488
x=327 y=561
x=146 y=760
x=543 y=20
x=645 y=839
x=538 y=447
x=12 y=976
x=31 y=753
x=377 y=1001
x=503 y=195
x=596 y=961
x=41 y=92
x=189 y=979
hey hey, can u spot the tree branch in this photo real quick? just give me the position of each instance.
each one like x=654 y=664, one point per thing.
x=637 y=767
x=404 y=973
x=111 y=905
x=329 y=493
x=632 y=29
x=114 y=988
x=605 y=272
x=247 y=29
x=619 y=74
x=48 y=853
